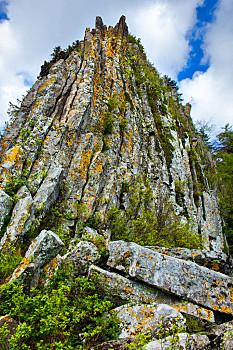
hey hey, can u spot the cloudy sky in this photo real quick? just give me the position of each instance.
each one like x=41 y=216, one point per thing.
x=189 y=40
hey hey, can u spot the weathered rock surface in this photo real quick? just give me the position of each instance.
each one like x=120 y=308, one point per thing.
x=84 y=254
x=148 y=319
x=217 y=261
x=123 y=290
x=184 y=341
x=43 y=249
x=21 y=218
x=6 y=203
x=185 y=279
x=67 y=132
x=48 y=192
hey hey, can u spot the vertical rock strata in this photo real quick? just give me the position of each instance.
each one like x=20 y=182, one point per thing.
x=104 y=117
x=101 y=132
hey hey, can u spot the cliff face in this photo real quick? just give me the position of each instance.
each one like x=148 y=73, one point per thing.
x=101 y=133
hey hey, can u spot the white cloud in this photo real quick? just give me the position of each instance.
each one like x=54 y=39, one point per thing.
x=163 y=27
x=211 y=93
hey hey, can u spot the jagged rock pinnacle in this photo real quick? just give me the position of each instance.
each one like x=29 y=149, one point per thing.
x=122 y=27
x=99 y=23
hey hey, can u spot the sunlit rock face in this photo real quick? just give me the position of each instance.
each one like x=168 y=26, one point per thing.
x=99 y=133
x=103 y=117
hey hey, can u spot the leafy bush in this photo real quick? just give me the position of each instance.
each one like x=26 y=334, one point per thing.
x=13 y=185
x=10 y=257
x=150 y=220
x=68 y=315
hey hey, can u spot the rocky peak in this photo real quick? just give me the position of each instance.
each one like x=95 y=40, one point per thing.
x=103 y=165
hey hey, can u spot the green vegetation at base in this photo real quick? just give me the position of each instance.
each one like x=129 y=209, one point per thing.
x=68 y=314
x=150 y=221
x=10 y=257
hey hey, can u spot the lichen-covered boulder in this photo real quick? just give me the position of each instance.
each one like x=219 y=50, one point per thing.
x=148 y=319
x=6 y=203
x=185 y=279
x=182 y=341
x=42 y=250
x=90 y=234
x=217 y=261
x=82 y=256
x=21 y=218
x=11 y=328
x=122 y=289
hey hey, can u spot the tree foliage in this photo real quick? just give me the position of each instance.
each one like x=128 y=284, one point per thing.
x=224 y=158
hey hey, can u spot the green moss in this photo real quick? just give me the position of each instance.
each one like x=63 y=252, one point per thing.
x=194 y=325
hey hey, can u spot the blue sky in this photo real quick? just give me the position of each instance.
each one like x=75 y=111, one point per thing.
x=191 y=41
x=196 y=60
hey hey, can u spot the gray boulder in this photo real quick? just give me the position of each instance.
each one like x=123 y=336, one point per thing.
x=21 y=218
x=82 y=256
x=42 y=250
x=156 y=320
x=185 y=279
x=181 y=341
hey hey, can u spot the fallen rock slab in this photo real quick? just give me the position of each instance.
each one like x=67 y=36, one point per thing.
x=185 y=279
x=217 y=261
x=151 y=319
x=123 y=290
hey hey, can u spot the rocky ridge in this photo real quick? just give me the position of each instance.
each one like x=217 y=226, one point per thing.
x=101 y=133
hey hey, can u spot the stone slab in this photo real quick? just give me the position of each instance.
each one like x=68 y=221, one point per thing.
x=185 y=279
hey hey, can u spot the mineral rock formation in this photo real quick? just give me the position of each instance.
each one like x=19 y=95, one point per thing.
x=42 y=250
x=182 y=278
x=102 y=155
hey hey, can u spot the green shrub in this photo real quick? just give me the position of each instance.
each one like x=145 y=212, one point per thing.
x=68 y=315
x=108 y=123
x=13 y=185
x=10 y=257
x=150 y=220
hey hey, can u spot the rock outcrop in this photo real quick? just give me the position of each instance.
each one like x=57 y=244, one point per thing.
x=102 y=170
